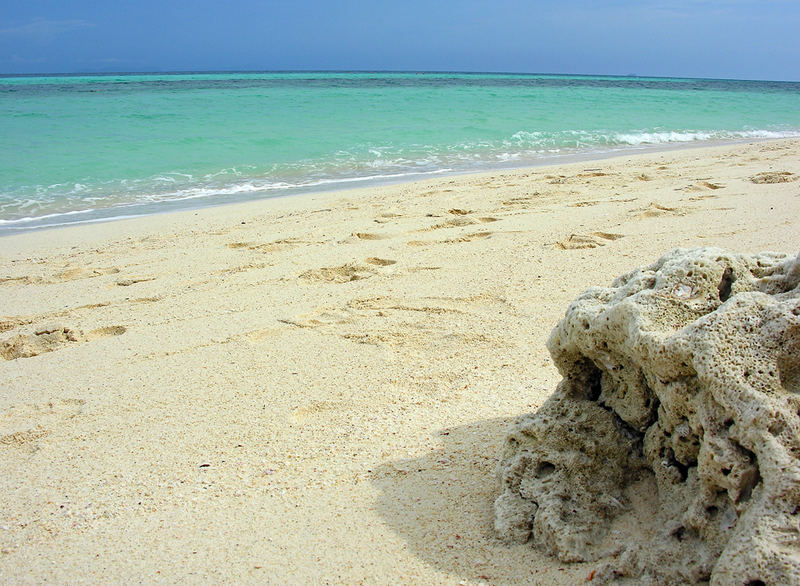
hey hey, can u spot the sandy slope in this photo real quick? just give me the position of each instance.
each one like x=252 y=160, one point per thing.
x=316 y=389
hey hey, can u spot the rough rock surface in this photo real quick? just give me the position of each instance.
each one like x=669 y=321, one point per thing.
x=670 y=451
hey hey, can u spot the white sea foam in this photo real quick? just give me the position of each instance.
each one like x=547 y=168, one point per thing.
x=696 y=136
x=259 y=186
x=73 y=222
x=29 y=219
x=80 y=201
x=97 y=214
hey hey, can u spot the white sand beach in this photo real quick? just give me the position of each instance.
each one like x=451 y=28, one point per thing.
x=316 y=389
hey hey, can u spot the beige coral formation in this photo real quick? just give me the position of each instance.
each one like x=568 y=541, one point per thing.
x=670 y=451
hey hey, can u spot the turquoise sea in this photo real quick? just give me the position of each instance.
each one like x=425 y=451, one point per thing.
x=84 y=148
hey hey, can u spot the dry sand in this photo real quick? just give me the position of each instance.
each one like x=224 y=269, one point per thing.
x=316 y=389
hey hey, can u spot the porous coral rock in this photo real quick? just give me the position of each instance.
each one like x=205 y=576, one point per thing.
x=670 y=451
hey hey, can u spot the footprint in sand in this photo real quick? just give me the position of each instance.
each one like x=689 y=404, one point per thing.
x=324 y=409
x=656 y=210
x=369 y=236
x=468 y=237
x=23 y=280
x=417 y=323
x=582 y=241
x=399 y=321
x=386 y=218
x=773 y=177
x=341 y=274
x=260 y=336
x=380 y=307
x=83 y=273
x=524 y=201
x=60 y=277
x=452 y=223
x=242 y=269
x=459 y=221
x=153 y=299
x=380 y=262
x=274 y=246
x=279 y=245
x=346 y=272
x=129 y=282
x=9 y=323
x=321 y=316
x=21 y=426
x=458 y=240
x=378 y=338
x=703 y=186
x=50 y=338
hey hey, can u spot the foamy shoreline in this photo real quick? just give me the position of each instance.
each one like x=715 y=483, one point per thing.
x=317 y=388
x=209 y=198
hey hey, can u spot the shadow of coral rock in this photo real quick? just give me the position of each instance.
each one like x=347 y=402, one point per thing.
x=441 y=505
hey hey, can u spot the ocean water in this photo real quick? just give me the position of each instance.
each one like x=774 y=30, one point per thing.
x=89 y=148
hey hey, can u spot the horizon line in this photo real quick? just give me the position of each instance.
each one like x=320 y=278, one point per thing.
x=375 y=71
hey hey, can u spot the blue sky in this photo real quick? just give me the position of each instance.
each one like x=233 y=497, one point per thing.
x=746 y=39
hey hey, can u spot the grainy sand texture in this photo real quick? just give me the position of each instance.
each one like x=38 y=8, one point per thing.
x=317 y=389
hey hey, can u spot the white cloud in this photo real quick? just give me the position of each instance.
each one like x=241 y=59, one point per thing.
x=40 y=28
x=17 y=60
